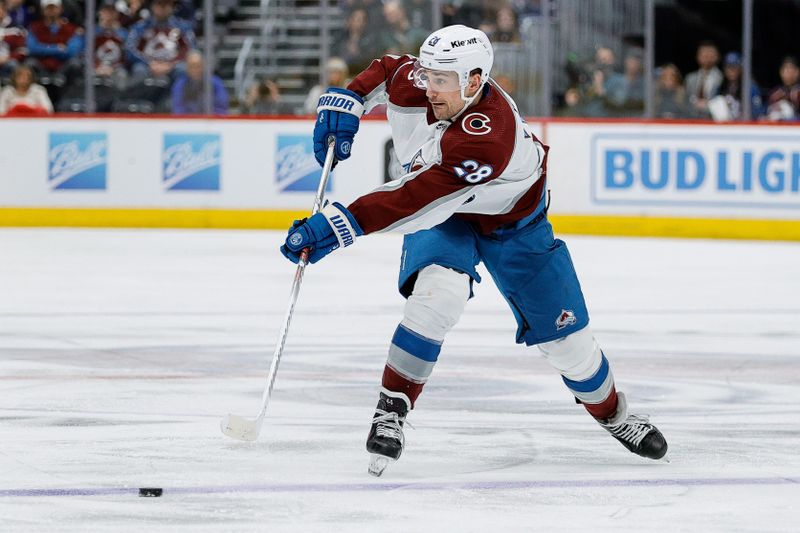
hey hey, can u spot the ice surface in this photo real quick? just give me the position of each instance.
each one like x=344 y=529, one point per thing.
x=121 y=350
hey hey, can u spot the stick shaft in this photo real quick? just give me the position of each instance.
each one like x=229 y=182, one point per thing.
x=298 y=279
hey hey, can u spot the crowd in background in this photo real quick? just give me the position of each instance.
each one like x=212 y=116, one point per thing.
x=712 y=91
x=146 y=60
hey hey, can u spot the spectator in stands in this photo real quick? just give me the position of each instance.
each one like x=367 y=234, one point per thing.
x=109 y=48
x=399 y=37
x=157 y=46
x=356 y=46
x=573 y=105
x=13 y=50
x=727 y=105
x=703 y=84
x=374 y=8
x=21 y=13
x=670 y=98
x=420 y=14
x=783 y=102
x=600 y=72
x=263 y=98
x=188 y=89
x=337 y=75
x=24 y=97
x=506 y=27
x=625 y=92
x=133 y=12
x=55 y=45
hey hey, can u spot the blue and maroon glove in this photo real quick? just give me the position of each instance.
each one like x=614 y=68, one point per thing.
x=338 y=115
x=332 y=227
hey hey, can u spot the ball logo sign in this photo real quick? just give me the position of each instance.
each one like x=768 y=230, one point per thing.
x=77 y=161
x=191 y=162
x=296 y=169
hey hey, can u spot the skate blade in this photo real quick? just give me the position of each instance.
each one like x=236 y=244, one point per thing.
x=665 y=459
x=239 y=428
x=378 y=464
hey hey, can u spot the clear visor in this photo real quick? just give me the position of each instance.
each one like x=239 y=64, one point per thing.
x=441 y=81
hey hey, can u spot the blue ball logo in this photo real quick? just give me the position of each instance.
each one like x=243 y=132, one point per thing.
x=296 y=239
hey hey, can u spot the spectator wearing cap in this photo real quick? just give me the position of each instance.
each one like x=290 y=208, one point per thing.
x=13 y=48
x=703 y=84
x=55 y=44
x=188 y=90
x=24 y=97
x=783 y=102
x=728 y=104
x=157 y=47
x=336 y=73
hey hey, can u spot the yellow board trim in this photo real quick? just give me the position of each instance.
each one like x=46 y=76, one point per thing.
x=787 y=230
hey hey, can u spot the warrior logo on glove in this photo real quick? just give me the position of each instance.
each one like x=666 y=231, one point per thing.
x=338 y=115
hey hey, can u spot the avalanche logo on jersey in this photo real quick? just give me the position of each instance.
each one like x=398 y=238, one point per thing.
x=77 y=161
x=191 y=162
x=296 y=169
x=476 y=124
x=566 y=318
x=417 y=162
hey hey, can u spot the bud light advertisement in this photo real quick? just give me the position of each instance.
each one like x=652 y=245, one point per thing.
x=191 y=162
x=296 y=169
x=77 y=161
x=723 y=170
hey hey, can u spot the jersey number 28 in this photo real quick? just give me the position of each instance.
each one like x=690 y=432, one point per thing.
x=472 y=171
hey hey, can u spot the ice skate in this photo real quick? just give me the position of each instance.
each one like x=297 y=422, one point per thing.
x=635 y=432
x=385 y=441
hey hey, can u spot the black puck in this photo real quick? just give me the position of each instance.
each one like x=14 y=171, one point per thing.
x=150 y=492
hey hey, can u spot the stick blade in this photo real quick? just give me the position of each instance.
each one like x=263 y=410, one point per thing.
x=239 y=428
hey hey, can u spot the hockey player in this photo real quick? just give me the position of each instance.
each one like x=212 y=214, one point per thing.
x=472 y=189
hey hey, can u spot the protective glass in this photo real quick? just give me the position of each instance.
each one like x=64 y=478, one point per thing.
x=441 y=81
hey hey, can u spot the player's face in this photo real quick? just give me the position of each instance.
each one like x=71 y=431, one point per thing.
x=444 y=94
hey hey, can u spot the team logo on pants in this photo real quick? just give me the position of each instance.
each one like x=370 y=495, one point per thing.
x=566 y=318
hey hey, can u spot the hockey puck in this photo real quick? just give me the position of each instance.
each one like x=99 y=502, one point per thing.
x=150 y=492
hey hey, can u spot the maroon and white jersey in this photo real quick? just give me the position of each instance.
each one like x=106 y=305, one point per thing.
x=12 y=43
x=486 y=167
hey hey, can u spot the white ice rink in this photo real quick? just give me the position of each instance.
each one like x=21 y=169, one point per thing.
x=121 y=350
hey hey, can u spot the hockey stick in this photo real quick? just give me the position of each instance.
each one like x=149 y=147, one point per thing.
x=241 y=428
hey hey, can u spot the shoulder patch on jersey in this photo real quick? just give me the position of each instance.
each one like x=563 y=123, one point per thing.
x=476 y=124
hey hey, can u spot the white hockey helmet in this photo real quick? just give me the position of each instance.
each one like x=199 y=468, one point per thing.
x=458 y=49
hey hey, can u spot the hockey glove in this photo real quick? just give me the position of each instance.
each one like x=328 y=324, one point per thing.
x=332 y=227
x=338 y=115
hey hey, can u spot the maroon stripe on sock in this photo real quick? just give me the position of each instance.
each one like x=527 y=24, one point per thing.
x=605 y=409
x=397 y=383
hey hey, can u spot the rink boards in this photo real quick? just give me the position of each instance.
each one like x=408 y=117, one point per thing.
x=607 y=177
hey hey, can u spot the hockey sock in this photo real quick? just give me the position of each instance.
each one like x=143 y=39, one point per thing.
x=396 y=383
x=597 y=393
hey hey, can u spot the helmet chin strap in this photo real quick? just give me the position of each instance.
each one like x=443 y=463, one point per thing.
x=467 y=100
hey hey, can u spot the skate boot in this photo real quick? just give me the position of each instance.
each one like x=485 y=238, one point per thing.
x=385 y=441
x=635 y=432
